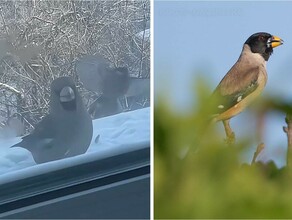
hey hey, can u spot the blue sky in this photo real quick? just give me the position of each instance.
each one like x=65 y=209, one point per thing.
x=193 y=37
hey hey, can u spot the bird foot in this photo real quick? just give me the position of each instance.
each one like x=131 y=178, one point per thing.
x=230 y=135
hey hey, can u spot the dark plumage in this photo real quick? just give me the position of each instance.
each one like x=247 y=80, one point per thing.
x=116 y=82
x=110 y=83
x=97 y=76
x=105 y=106
x=66 y=131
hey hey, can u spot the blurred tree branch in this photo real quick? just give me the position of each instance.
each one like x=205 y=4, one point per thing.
x=259 y=149
x=288 y=130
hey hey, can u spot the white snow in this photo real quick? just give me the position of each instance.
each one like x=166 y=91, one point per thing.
x=117 y=134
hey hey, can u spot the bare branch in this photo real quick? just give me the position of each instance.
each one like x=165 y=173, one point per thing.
x=259 y=149
x=10 y=88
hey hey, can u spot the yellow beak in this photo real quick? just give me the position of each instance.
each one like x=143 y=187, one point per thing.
x=276 y=41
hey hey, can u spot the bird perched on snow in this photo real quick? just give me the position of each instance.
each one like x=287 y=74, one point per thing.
x=245 y=81
x=66 y=131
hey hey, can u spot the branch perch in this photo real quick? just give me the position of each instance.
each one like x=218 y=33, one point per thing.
x=260 y=147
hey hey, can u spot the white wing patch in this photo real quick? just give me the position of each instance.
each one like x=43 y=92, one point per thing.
x=221 y=106
x=239 y=98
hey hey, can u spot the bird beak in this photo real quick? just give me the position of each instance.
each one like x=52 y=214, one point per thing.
x=67 y=94
x=275 y=41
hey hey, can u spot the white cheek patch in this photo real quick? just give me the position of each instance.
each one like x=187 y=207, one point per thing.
x=221 y=106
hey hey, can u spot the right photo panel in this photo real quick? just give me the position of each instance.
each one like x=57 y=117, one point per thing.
x=222 y=109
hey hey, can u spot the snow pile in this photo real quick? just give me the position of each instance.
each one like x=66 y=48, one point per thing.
x=111 y=135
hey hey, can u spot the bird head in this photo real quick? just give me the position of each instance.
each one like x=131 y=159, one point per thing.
x=263 y=43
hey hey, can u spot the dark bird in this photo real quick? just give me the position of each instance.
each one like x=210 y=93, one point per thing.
x=66 y=131
x=245 y=81
x=117 y=90
x=110 y=82
x=96 y=75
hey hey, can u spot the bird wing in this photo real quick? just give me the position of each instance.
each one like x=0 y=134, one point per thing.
x=45 y=128
x=237 y=84
x=42 y=135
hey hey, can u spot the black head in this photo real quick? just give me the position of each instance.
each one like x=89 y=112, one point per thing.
x=263 y=43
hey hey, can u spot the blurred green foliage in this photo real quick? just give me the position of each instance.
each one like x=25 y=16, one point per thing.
x=210 y=182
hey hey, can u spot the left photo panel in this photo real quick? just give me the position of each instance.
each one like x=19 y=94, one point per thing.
x=75 y=109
